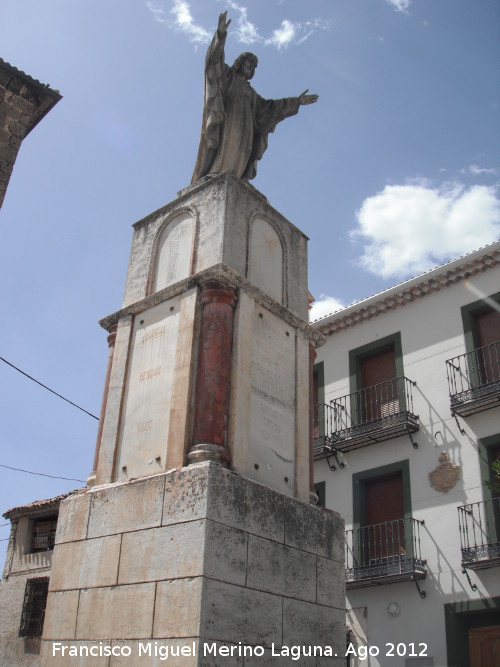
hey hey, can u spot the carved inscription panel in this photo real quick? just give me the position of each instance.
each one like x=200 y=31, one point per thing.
x=148 y=393
x=265 y=269
x=272 y=402
x=175 y=252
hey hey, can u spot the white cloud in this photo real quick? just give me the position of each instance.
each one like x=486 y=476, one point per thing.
x=410 y=228
x=283 y=35
x=184 y=21
x=246 y=32
x=295 y=33
x=157 y=12
x=325 y=305
x=242 y=29
x=474 y=169
x=400 y=5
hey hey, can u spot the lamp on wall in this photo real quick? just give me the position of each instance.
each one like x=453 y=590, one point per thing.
x=393 y=608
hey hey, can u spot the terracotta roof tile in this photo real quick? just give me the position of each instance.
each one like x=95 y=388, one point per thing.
x=50 y=503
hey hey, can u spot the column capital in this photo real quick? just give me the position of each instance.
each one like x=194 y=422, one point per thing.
x=213 y=292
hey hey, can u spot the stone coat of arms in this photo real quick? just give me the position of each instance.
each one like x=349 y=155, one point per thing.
x=446 y=475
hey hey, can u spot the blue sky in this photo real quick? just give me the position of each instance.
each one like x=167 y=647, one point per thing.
x=395 y=170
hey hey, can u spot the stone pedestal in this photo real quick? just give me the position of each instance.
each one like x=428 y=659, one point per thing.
x=210 y=359
x=200 y=562
x=196 y=541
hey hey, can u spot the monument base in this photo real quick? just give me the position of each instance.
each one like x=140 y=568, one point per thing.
x=198 y=566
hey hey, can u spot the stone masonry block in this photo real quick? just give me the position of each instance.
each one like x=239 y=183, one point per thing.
x=10 y=110
x=73 y=518
x=311 y=624
x=185 y=495
x=314 y=529
x=208 y=491
x=331 y=662
x=60 y=615
x=177 y=608
x=5 y=77
x=18 y=87
x=170 y=552
x=17 y=127
x=241 y=503
x=270 y=660
x=140 y=653
x=210 y=656
x=225 y=554
x=86 y=564
x=282 y=570
x=239 y=614
x=124 y=612
x=331 y=582
x=23 y=105
x=4 y=133
x=52 y=654
x=110 y=508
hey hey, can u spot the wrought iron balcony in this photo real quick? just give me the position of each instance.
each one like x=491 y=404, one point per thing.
x=479 y=525
x=384 y=553
x=370 y=415
x=474 y=380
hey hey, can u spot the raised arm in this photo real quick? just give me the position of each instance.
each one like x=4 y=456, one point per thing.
x=215 y=53
x=223 y=25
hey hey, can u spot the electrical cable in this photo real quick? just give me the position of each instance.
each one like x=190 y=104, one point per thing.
x=42 y=474
x=48 y=388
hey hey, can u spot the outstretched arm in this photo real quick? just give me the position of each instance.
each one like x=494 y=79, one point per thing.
x=307 y=99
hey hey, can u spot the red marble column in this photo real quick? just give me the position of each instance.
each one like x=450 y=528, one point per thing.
x=213 y=378
x=312 y=490
x=111 y=343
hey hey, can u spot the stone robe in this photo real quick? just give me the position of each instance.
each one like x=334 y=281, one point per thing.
x=236 y=120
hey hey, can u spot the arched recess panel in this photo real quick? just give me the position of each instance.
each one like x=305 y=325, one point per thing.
x=175 y=251
x=265 y=269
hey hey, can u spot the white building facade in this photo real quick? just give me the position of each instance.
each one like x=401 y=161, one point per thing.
x=406 y=427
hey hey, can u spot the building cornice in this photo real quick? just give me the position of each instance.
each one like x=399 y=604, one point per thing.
x=224 y=275
x=46 y=97
x=433 y=281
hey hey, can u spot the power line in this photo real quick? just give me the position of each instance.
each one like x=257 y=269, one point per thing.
x=48 y=389
x=42 y=474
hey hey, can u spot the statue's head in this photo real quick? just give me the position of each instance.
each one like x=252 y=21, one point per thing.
x=246 y=64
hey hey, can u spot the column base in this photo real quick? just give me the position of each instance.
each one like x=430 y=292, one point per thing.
x=208 y=452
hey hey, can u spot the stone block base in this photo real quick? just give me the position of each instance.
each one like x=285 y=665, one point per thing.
x=195 y=567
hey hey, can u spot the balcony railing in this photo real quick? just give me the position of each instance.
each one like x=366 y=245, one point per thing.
x=479 y=525
x=373 y=414
x=474 y=380
x=384 y=553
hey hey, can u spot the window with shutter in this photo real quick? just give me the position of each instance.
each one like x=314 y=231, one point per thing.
x=376 y=379
x=487 y=335
x=44 y=534
x=381 y=503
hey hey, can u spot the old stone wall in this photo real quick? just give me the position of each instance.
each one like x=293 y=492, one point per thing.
x=20 y=566
x=23 y=102
x=193 y=557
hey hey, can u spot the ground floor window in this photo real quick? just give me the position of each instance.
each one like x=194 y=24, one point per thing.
x=35 y=600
